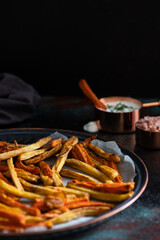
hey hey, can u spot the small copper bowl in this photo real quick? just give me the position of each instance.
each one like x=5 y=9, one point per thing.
x=120 y=122
x=147 y=139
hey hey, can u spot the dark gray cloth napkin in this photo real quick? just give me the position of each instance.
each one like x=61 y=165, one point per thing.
x=18 y=99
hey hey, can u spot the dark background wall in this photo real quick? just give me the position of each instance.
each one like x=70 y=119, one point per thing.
x=51 y=44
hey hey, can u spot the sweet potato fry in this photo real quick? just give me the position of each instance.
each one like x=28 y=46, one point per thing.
x=89 y=93
x=71 y=162
x=88 y=140
x=4 y=178
x=32 y=169
x=16 y=218
x=13 y=203
x=45 y=169
x=107 y=187
x=101 y=153
x=103 y=196
x=82 y=154
x=55 y=142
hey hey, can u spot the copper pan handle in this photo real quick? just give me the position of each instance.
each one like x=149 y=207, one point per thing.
x=151 y=104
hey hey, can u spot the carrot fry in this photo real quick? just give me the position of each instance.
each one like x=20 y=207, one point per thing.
x=46 y=169
x=82 y=154
x=31 y=169
x=89 y=93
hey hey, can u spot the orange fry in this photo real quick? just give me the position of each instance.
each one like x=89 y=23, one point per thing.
x=45 y=169
x=82 y=154
x=90 y=94
x=107 y=187
x=31 y=169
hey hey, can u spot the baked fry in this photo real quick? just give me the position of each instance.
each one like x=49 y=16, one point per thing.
x=78 y=176
x=74 y=163
x=39 y=189
x=30 y=154
x=76 y=213
x=64 y=153
x=103 y=196
x=82 y=154
x=101 y=153
x=107 y=187
x=23 y=174
x=43 y=156
x=13 y=174
x=32 y=169
x=13 y=190
x=47 y=181
x=14 y=153
x=45 y=169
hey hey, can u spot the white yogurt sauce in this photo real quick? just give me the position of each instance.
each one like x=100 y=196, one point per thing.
x=122 y=106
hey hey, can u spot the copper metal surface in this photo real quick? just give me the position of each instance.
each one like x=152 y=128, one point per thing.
x=148 y=139
x=123 y=122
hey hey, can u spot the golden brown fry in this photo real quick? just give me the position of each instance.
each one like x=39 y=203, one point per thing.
x=107 y=187
x=76 y=213
x=110 y=197
x=82 y=154
x=44 y=155
x=47 y=181
x=36 y=145
x=64 y=153
x=39 y=189
x=70 y=191
x=101 y=153
x=76 y=175
x=110 y=172
x=30 y=154
x=71 y=162
x=23 y=174
x=13 y=174
x=13 y=190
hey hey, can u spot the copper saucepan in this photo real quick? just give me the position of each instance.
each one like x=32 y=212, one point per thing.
x=120 y=122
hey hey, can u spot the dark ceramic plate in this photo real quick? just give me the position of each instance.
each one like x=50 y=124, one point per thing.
x=31 y=135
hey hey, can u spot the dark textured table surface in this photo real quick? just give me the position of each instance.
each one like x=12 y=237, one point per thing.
x=141 y=220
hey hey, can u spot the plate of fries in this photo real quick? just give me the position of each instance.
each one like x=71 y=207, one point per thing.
x=58 y=182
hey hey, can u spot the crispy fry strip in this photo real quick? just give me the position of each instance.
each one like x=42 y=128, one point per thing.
x=23 y=174
x=47 y=181
x=78 y=176
x=32 y=169
x=14 y=217
x=76 y=213
x=64 y=153
x=44 y=155
x=46 y=169
x=110 y=172
x=82 y=154
x=70 y=191
x=103 y=196
x=39 y=189
x=13 y=190
x=13 y=203
x=13 y=173
x=107 y=187
x=36 y=145
x=30 y=154
x=71 y=162
x=101 y=153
